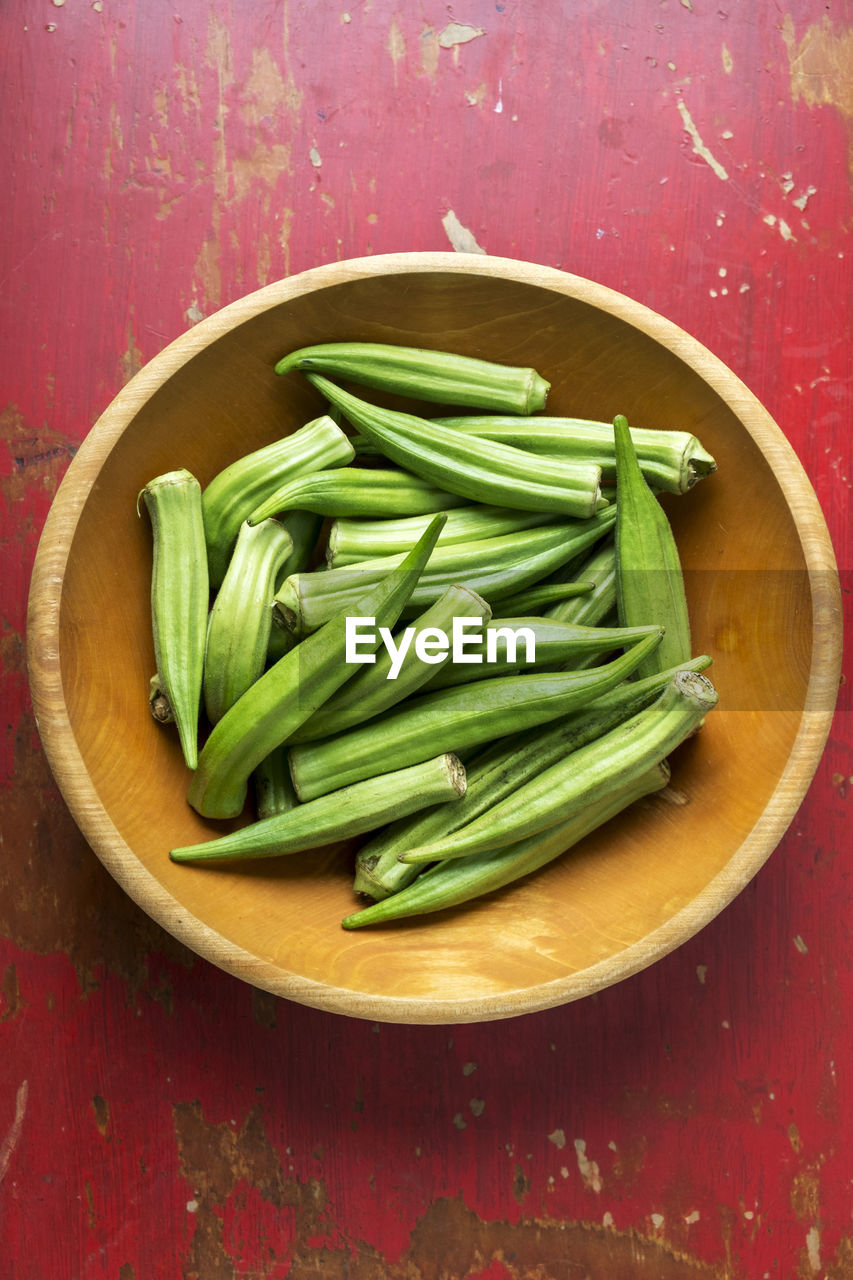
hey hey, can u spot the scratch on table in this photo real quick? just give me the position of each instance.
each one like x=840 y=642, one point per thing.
x=10 y=1142
x=460 y=237
x=699 y=147
x=396 y=44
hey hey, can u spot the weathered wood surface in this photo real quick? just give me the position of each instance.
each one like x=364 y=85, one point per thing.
x=159 y=1119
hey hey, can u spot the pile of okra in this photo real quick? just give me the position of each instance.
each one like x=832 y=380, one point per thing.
x=459 y=633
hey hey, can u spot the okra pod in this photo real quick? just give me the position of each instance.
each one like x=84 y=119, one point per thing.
x=649 y=579
x=461 y=880
x=478 y=469
x=583 y=776
x=304 y=529
x=238 y=630
x=291 y=690
x=592 y=607
x=357 y=491
x=348 y=813
x=512 y=643
x=535 y=600
x=672 y=461
x=456 y=719
x=493 y=567
x=235 y=492
x=440 y=376
x=498 y=772
x=179 y=597
x=387 y=681
x=351 y=541
x=274 y=791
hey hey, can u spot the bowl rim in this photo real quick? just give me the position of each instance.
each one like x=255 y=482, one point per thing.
x=59 y=743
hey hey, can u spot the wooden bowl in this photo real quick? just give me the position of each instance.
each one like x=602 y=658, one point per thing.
x=762 y=588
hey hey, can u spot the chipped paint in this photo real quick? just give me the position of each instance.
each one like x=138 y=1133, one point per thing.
x=699 y=147
x=456 y=33
x=13 y=1134
x=588 y=1169
x=462 y=240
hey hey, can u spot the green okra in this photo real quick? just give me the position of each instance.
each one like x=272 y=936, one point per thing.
x=273 y=785
x=461 y=880
x=348 y=813
x=390 y=678
x=535 y=600
x=304 y=528
x=238 y=629
x=672 y=461
x=440 y=376
x=456 y=719
x=291 y=690
x=583 y=776
x=493 y=567
x=649 y=579
x=179 y=598
x=357 y=491
x=479 y=469
x=591 y=608
x=352 y=541
x=498 y=772
x=236 y=491
x=511 y=643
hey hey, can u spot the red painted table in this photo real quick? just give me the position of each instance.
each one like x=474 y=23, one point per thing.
x=159 y=1119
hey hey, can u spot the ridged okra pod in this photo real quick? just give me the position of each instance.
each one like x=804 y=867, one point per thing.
x=456 y=719
x=238 y=629
x=493 y=567
x=479 y=469
x=498 y=772
x=235 y=492
x=440 y=376
x=592 y=608
x=357 y=491
x=179 y=598
x=304 y=528
x=583 y=776
x=393 y=676
x=649 y=579
x=461 y=880
x=512 y=643
x=273 y=785
x=351 y=540
x=348 y=813
x=535 y=600
x=672 y=461
x=290 y=691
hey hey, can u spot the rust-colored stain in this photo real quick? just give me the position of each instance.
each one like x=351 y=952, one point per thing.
x=222 y=1165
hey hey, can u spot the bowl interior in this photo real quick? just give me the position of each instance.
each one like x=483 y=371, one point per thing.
x=615 y=901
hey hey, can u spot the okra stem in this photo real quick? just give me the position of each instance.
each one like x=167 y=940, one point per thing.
x=341 y=816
